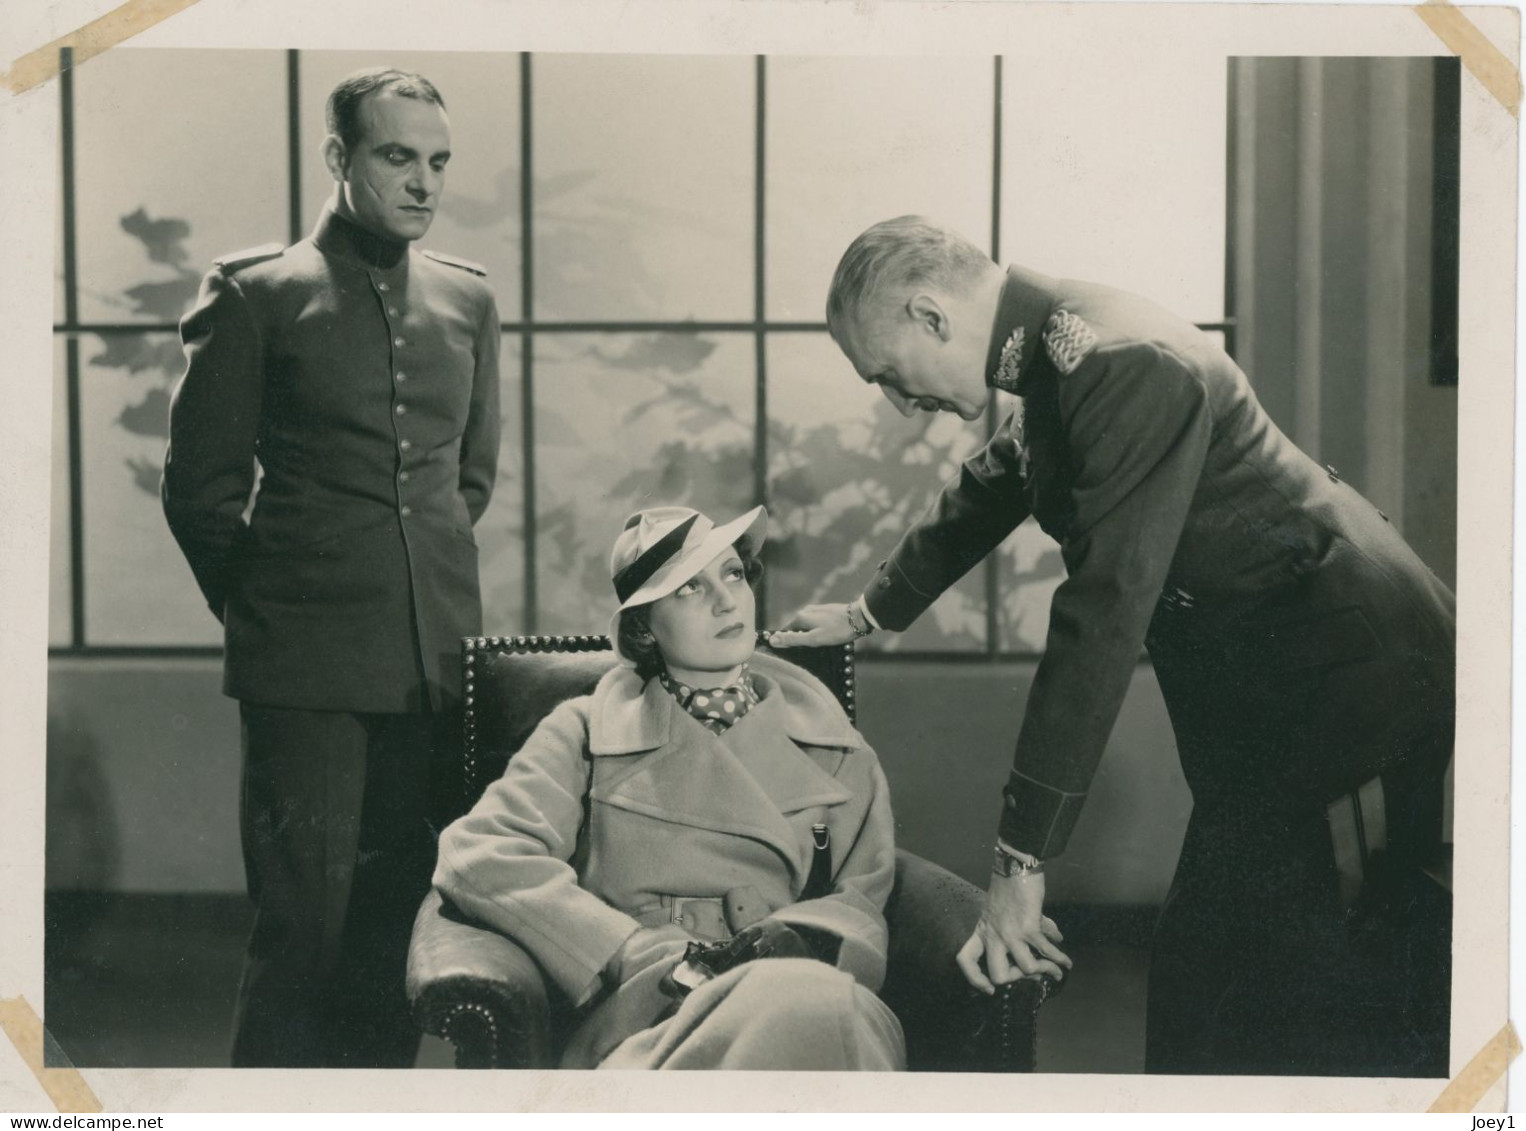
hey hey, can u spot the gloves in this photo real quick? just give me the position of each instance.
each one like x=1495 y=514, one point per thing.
x=768 y=938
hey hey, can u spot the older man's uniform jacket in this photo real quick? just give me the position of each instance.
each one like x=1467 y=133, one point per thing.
x=1301 y=646
x=623 y=811
x=1303 y=651
x=363 y=378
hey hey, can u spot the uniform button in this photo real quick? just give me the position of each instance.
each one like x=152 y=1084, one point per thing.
x=404 y=445
x=406 y=510
x=392 y=310
x=1335 y=476
x=884 y=583
x=383 y=287
x=401 y=376
x=399 y=341
x=403 y=476
x=401 y=410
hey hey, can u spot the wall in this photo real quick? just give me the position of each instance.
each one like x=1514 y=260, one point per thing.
x=143 y=777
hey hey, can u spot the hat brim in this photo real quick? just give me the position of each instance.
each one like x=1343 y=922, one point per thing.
x=686 y=563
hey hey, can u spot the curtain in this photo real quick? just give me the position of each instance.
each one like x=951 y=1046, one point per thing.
x=1343 y=272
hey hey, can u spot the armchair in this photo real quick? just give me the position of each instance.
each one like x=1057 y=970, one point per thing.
x=486 y=995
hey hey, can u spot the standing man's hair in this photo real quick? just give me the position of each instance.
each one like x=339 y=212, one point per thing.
x=342 y=114
x=906 y=251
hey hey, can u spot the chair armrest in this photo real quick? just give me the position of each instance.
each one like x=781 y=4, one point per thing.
x=950 y=1026
x=479 y=990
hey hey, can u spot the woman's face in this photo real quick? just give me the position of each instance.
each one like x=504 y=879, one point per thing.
x=708 y=624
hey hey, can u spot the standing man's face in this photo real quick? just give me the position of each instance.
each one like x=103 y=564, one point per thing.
x=912 y=354
x=390 y=181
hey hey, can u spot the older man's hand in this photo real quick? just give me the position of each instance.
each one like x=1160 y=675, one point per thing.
x=1014 y=936
x=815 y=625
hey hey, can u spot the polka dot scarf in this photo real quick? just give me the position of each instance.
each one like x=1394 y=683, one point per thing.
x=716 y=707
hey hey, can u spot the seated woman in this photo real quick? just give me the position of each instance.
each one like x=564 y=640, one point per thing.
x=677 y=803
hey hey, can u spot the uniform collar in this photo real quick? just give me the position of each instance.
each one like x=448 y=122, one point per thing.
x=345 y=239
x=628 y=715
x=1026 y=302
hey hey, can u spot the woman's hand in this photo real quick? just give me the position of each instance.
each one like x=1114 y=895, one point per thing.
x=815 y=625
x=1013 y=935
x=647 y=946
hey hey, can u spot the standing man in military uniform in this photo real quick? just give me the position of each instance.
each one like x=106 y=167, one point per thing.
x=362 y=377
x=1305 y=654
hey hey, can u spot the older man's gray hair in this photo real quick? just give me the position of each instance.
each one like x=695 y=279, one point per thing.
x=905 y=252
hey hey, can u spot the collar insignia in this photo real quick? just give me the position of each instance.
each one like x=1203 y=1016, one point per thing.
x=1007 y=368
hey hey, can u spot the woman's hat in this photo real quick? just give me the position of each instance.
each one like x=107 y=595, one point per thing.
x=663 y=547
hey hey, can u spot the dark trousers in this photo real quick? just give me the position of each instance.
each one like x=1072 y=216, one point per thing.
x=338 y=854
x=1261 y=966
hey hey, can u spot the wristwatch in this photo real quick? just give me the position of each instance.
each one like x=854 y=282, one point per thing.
x=858 y=622
x=1005 y=862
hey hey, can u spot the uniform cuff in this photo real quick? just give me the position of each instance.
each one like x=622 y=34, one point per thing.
x=891 y=601
x=863 y=607
x=1037 y=818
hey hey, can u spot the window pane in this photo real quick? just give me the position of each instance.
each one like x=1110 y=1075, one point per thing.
x=854 y=141
x=1030 y=572
x=138 y=589
x=643 y=187
x=624 y=422
x=501 y=531
x=60 y=565
x=847 y=475
x=479 y=210
x=1116 y=174
x=170 y=174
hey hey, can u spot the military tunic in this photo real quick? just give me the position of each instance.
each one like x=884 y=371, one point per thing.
x=332 y=441
x=1301 y=646
x=363 y=378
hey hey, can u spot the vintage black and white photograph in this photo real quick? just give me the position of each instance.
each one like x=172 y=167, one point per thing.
x=756 y=555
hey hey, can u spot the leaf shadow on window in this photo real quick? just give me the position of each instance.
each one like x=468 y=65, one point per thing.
x=155 y=356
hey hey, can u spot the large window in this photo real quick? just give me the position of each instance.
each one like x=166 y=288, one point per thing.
x=660 y=232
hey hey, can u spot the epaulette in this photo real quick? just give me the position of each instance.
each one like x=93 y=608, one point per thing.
x=1068 y=339
x=231 y=263
x=464 y=264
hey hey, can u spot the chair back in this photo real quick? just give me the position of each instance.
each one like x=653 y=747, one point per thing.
x=511 y=683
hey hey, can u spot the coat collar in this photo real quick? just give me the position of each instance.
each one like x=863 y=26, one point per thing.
x=344 y=239
x=627 y=717
x=1026 y=303
x=780 y=759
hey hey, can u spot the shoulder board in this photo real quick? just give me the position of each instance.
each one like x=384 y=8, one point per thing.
x=1068 y=339
x=464 y=264
x=232 y=262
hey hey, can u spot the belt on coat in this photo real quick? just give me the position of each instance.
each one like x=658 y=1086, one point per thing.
x=709 y=917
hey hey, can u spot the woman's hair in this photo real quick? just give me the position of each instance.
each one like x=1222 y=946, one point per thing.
x=635 y=634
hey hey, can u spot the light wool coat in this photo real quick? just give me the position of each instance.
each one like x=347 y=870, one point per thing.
x=623 y=811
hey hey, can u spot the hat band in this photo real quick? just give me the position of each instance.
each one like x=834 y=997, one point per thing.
x=639 y=572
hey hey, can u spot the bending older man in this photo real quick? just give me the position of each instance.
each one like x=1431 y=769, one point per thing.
x=1305 y=654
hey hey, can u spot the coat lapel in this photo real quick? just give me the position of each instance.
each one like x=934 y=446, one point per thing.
x=744 y=783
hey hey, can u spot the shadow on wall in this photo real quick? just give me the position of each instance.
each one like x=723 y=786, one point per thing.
x=84 y=846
